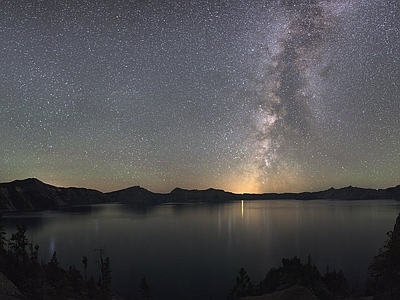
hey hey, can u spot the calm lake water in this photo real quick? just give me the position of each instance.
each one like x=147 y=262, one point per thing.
x=195 y=251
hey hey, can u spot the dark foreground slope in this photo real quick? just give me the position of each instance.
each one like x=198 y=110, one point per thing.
x=32 y=194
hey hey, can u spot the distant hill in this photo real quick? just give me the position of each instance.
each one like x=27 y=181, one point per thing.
x=140 y=195
x=32 y=194
x=346 y=193
x=136 y=195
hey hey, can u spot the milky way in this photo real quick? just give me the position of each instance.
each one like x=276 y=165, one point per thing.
x=247 y=96
x=298 y=124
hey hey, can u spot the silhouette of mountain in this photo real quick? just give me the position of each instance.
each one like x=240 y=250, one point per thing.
x=346 y=193
x=32 y=194
x=209 y=195
x=135 y=195
x=139 y=195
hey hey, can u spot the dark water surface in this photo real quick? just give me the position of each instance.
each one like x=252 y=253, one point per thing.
x=195 y=251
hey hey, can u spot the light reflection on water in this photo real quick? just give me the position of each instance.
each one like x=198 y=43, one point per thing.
x=197 y=250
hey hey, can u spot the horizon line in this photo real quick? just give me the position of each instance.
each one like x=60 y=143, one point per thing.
x=210 y=188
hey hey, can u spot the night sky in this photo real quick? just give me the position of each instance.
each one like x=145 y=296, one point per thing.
x=245 y=96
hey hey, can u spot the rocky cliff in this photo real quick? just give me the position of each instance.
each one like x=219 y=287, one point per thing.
x=8 y=291
x=346 y=193
x=32 y=194
x=396 y=230
x=139 y=195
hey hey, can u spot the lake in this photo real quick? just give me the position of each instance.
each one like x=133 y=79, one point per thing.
x=195 y=251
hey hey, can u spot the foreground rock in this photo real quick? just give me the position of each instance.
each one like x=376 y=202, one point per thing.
x=396 y=230
x=8 y=291
x=384 y=270
x=296 y=292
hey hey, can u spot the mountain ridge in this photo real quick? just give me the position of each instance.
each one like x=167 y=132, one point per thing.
x=33 y=194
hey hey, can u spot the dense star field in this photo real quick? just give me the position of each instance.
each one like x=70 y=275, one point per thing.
x=246 y=96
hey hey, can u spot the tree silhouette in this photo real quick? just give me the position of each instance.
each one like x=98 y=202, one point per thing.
x=18 y=257
x=53 y=270
x=19 y=243
x=293 y=272
x=385 y=269
x=145 y=289
x=105 y=274
x=336 y=282
x=243 y=286
x=3 y=241
x=22 y=265
x=85 y=261
x=19 y=263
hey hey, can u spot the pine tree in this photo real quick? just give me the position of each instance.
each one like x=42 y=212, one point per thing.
x=145 y=289
x=85 y=261
x=243 y=286
x=19 y=243
x=105 y=274
x=385 y=268
x=3 y=240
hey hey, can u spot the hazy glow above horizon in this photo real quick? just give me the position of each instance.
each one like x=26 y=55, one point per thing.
x=245 y=96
